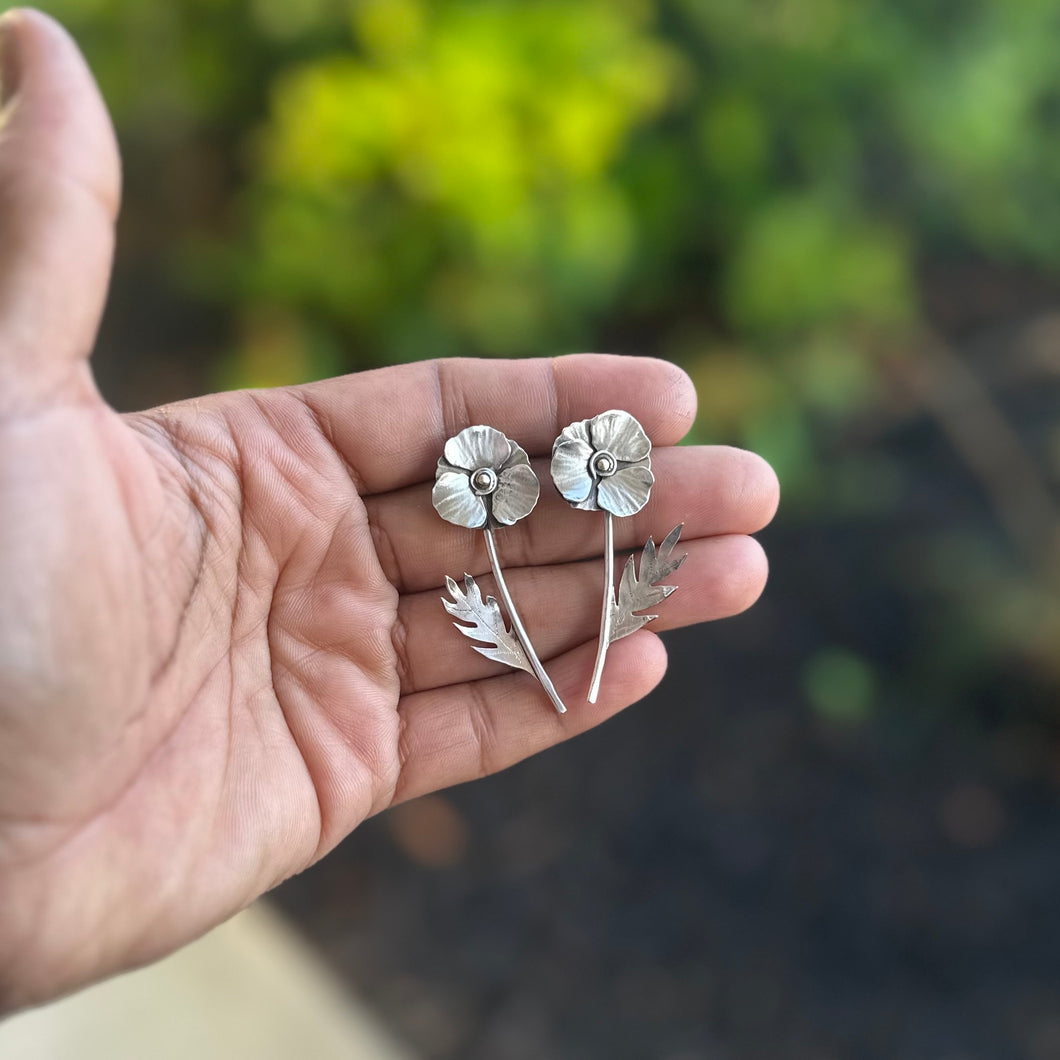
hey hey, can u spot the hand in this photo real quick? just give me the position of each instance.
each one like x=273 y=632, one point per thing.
x=221 y=642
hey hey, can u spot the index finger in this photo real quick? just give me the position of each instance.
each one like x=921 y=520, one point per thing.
x=391 y=424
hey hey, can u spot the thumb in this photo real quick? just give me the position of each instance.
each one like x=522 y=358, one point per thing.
x=60 y=178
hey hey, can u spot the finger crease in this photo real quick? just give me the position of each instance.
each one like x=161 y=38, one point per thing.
x=323 y=425
x=482 y=729
x=553 y=394
x=387 y=554
x=451 y=400
x=399 y=637
x=404 y=753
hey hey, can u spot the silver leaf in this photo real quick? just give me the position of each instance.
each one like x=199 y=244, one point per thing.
x=639 y=592
x=486 y=624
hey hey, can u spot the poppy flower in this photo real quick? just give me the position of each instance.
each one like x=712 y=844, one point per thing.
x=604 y=464
x=484 y=480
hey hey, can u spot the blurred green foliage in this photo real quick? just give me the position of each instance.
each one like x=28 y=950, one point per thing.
x=486 y=176
x=750 y=187
x=840 y=686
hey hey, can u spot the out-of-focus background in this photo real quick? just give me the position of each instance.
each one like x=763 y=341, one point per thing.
x=834 y=832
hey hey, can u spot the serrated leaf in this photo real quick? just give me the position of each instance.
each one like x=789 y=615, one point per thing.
x=486 y=624
x=639 y=591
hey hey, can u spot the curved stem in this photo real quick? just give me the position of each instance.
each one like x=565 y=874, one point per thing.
x=517 y=624
x=609 y=597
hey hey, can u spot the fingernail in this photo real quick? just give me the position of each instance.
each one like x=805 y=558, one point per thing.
x=10 y=65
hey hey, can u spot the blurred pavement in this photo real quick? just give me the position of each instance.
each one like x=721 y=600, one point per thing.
x=252 y=988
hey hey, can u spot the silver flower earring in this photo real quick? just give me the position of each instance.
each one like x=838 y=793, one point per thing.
x=485 y=481
x=604 y=464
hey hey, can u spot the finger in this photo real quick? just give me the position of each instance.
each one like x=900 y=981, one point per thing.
x=711 y=489
x=459 y=733
x=59 y=191
x=391 y=424
x=560 y=607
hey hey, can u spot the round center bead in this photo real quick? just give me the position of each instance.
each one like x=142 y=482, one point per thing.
x=484 y=481
x=604 y=464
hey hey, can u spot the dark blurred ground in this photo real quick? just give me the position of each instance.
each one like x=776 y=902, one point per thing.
x=722 y=873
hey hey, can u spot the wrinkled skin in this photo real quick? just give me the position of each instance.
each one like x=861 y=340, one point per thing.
x=221 y=646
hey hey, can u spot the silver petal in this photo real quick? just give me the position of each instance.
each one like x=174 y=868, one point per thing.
x=578 y=431
x=455 y=501
x=619 y=433
x=626 y=491
x=476 y=447
x=570 y=468
x=517 y=493
x=518 y=455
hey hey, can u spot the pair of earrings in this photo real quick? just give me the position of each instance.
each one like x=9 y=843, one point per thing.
x=484 y=481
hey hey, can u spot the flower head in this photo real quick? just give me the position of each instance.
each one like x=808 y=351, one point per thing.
x=604 y=463
x=484 y=480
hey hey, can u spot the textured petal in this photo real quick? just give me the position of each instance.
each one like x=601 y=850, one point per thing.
x=578 y=431
x=626 y=491
x=456 y=503
x=570 y=468
x=518 y=455
x=476 y=447
x=516 y=494
x=619 y=433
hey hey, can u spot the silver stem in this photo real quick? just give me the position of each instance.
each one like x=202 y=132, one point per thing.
x=517 y=625
x=609 y=597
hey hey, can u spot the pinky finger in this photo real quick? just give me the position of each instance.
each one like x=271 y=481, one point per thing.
x=463 y=732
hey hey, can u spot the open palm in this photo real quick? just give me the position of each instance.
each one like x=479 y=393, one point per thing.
x=221 y=643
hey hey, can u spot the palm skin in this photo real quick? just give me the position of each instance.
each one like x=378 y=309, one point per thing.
x=221 y=646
